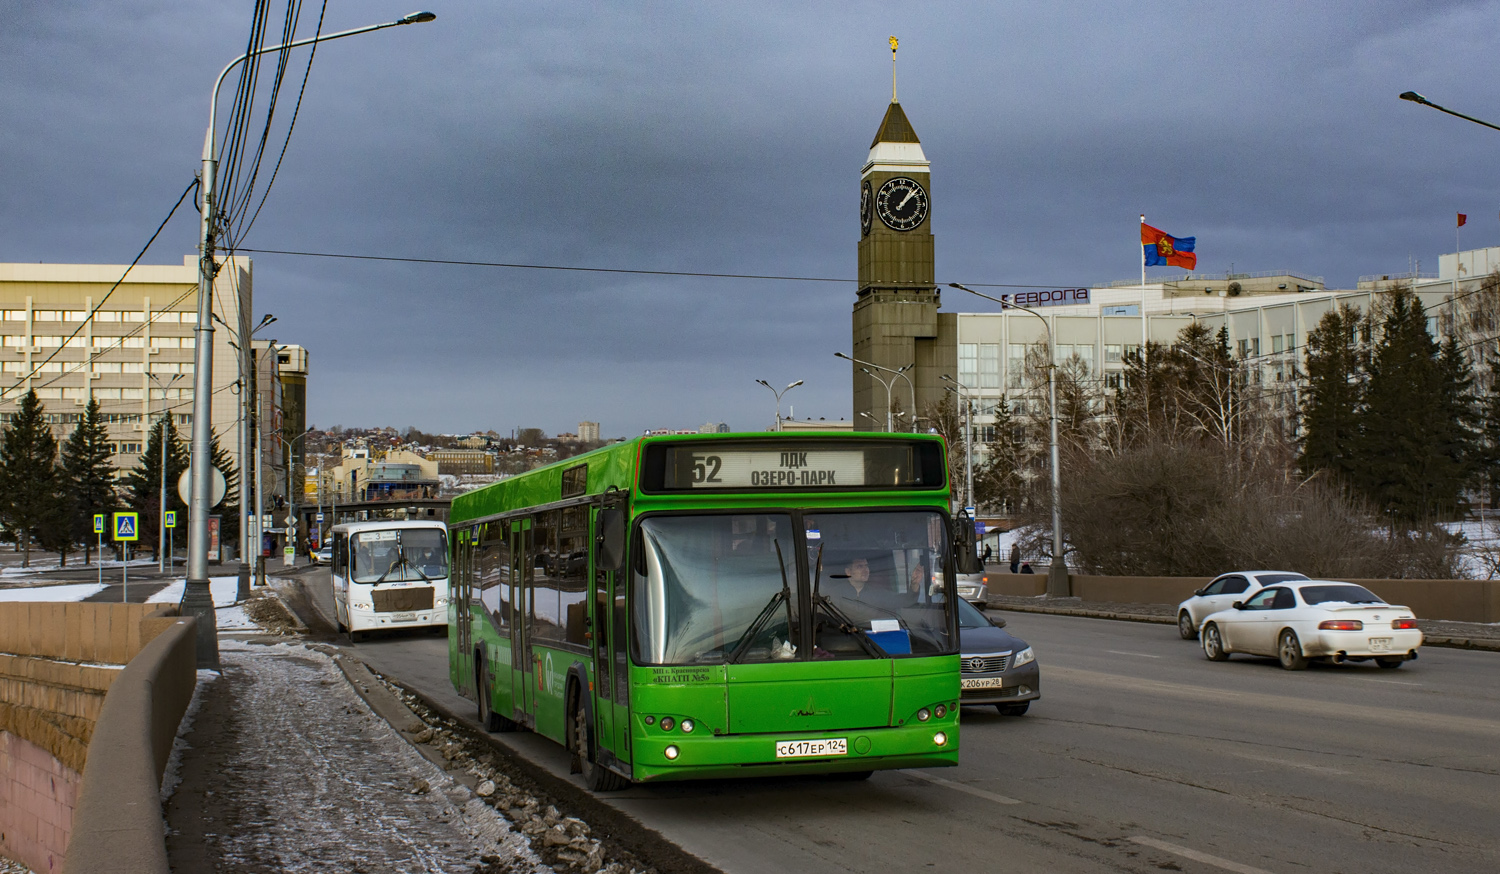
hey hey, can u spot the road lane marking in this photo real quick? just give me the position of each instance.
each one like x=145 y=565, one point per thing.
x=960 y=787
x=1395 y=683
x=1196 y=856
x=1138 y=654
x=1287 y=763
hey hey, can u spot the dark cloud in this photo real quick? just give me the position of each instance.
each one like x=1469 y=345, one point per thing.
x=703 y=137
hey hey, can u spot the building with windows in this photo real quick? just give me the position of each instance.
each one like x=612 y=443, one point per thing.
x=588 y=432
x=79 y=331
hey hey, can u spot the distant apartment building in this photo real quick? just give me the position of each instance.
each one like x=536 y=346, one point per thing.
x=462 y=462
x=73 y=332
x=588 y=432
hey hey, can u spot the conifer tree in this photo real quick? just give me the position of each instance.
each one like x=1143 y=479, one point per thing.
x=89 y=476
x=1457 y=460
x=143 y=484
x=1400 y=468
x=998 y=483
x=1331 y=402
x=29 y=495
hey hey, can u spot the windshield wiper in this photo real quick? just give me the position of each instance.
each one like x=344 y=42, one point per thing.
x=847 y=625
x=782 y=597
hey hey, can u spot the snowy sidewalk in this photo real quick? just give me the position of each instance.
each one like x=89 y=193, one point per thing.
x=285 y=768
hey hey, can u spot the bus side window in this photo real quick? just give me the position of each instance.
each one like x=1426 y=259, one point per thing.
x=493 y=572
x=572 y=575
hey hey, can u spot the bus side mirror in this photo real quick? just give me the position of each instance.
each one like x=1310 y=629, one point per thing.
x=965 y=558
x=609 y=544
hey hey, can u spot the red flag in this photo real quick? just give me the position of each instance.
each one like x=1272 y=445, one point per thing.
x=1461 y=219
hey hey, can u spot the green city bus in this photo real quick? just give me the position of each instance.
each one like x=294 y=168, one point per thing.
x=717 y=605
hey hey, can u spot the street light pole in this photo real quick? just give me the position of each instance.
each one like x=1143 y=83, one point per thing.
x=778 y=395
x=890 y=425
x=291 y=499
x=197 y=600
x=243 y=345
x=1414 y=97
x=1057 y=574
x=161 y=511
x=900 y=371
x=966 y=395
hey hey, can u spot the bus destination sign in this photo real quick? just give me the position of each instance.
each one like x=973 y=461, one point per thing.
x=724 y=468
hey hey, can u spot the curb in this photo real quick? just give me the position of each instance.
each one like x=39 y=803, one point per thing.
x=1479 y=644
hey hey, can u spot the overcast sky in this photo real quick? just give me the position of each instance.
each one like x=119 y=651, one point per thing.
x=728 y=138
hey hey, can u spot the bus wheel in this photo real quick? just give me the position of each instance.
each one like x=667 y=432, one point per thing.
x=489 y=720
x=356 y=636
x=595 y=776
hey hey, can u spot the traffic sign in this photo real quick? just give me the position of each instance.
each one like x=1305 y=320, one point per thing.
x=127 y=526
x=98 y=523
x=216 y=487
x=170 y=520
x=319 y=517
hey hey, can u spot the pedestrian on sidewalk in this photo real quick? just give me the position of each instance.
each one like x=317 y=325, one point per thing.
x=1015 y=558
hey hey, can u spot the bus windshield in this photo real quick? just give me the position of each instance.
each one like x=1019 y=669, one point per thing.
x=399 y=555
x=735 y=588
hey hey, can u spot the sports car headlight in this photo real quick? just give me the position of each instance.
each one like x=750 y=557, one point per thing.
x=1024 y=657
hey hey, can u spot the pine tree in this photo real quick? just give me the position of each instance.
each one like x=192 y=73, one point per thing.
x=89 y=476
x=1331 y=402
x=998 y=483
x=143 y=484
x=29 y=495
x=1458 y=455
x=1399 y=464
x=1489 y=459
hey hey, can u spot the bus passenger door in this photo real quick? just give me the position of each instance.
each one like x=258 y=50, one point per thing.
x=522 y=677
x=460 y=611
x=600 y=637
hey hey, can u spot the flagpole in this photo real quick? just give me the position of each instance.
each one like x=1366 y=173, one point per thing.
x=1143 y=297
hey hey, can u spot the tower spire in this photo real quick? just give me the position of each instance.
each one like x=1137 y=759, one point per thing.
x=894 y=43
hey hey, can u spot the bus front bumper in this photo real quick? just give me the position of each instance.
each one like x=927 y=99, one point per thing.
x=676 y=756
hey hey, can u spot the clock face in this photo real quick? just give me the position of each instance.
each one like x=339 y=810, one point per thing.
x=901 y=203
x=866 y=208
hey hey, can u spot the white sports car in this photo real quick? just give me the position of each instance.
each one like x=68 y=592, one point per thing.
x=1222 y=592
x=1296 y=621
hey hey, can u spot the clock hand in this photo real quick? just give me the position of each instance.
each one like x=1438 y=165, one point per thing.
x=909 y=195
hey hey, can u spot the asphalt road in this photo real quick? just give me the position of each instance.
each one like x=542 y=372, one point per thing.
x=1140 y=756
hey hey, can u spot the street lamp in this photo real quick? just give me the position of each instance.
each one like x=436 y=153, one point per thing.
x=197 y=599
x=1057 y=575
x=291 y=500
x=1414 y=97
x=900 y=371
x=778 y=395
x=966 y=394
x=890 y=425
x=246 y=337
x=161 y=511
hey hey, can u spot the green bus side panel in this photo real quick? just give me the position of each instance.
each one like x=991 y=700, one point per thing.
x=552 y=687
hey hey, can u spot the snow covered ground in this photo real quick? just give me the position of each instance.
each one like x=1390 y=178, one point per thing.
x=231 y=617
x=68 y=592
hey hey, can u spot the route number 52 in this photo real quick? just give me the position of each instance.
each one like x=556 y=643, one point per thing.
x=706 y=468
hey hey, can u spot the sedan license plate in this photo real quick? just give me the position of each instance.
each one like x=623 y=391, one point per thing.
x=797 y=749
x=981 y=682
x=404 y=617
x=1380 y=644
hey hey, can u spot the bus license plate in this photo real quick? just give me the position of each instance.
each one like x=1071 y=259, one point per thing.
x=1380 y=644
x=405 y=617
x=981 y=683
x=797 y=749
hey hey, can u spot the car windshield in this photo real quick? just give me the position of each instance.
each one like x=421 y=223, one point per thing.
x=721 y=588
x=1346 y=593
x=969 y=615
x=1273 y=579
x=400 y=555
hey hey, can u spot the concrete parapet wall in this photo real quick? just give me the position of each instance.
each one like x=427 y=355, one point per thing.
x=1455 y=600
x=75 y=632
x=117 y=826
x=36 y=804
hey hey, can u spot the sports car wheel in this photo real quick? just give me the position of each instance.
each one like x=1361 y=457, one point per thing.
x=1213 y=644
x=1185 y=626
x=1289 y=651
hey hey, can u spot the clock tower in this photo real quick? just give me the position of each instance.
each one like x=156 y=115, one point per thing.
x=896 y=320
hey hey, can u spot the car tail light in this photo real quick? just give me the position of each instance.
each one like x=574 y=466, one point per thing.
x=1404 y=623
x=1341 y=625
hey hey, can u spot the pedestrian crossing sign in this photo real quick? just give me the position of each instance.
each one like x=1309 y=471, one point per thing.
x=127 y=526
x=169 y=519
x=98 y=523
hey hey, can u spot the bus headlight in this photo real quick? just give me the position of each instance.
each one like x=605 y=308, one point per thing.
x=688 y=726
x=941 y=739
x=670 y=752
x=923 y=715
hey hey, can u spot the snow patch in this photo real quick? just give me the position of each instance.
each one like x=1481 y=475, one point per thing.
x=226 y=591
x=73 y=592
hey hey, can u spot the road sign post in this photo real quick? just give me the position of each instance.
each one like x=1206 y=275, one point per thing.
x=169 y=522
x=99 y=533
x=127 y=529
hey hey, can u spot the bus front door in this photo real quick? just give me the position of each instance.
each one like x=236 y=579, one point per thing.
x=600 y=639
x=522 y=676
x=460 y=607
